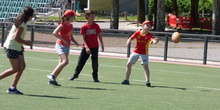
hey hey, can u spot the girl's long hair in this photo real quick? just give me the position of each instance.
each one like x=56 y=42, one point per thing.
x=24 y=16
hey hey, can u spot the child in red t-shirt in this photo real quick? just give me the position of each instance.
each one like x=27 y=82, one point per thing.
x=91 y=32
x=143 y=39
x=64 y=36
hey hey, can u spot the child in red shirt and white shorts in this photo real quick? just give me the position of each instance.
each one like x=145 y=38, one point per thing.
x=143 y=39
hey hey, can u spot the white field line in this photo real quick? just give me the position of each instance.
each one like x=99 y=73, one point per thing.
x=89 y=75
x=42 y=70
x=113 y=66
x=184 y=73
x=217 y=89
x=41 y=59
x=165 y=71
x=144 y=81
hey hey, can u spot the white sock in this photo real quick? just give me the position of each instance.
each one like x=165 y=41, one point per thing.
x=12 y=87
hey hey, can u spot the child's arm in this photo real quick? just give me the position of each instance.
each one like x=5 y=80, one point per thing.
x=55 y=33
x=101 y=41
x=154 y=41
x=128 y=41
x=85 y=43
x=73 y=40
x=18 y=38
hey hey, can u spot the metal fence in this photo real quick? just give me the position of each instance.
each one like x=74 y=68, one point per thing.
x=164 y=35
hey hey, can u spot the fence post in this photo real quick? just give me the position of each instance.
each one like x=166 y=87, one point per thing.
x=165 y=47
x=129 y=48
x=205 y=50
x=32 y=36
x=3 y=35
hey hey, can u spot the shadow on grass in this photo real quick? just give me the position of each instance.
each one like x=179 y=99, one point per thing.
x=90 y=88
x=169 y=87
x=157 y=86
x=127 y=85
x=48 y=96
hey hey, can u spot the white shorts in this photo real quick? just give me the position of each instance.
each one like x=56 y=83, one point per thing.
x=60 y=49
x=135 y=56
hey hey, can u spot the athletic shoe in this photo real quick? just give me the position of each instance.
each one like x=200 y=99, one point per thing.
x=54 y=83
x=14 y=91
x=148 y=83
x=125 y=82
x=96 y=80
x=73 y=77
x=51 y=77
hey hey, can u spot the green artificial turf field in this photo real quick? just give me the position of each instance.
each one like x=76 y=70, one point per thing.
x=174 y=86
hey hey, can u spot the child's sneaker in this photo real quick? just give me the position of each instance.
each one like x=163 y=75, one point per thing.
x=73 y=77
x=54 y=83
x=125 y=82
x=148 y=83
x=51 y=77
x=14 y=91
x=96 y=80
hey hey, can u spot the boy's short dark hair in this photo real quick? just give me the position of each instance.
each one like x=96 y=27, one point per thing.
x=89 y=12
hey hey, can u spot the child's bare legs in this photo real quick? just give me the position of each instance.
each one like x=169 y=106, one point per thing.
x=128 y=71
x=63 y=61
x=147 y=72
x=127 y=75
x=18 y=74
x=17 y=68
x=147 y=75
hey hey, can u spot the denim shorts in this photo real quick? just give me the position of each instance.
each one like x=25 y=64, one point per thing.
x=135 y=56
x=13 y=54
x=60 y=49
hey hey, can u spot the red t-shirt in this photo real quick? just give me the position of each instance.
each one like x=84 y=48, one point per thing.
x=65 y=33
x=91 y=34
x=142 y=42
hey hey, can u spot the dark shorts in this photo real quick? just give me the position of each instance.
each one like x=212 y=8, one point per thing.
x=13 y=54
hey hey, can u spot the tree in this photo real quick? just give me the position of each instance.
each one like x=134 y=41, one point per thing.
x=141 y=11
x=114 y=14
x=203 y=2
x=175 y=8
x=215 y=17
x=155 y=14
x=160 y=22
x=194 y=11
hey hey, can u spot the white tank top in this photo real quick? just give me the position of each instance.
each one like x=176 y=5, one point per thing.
x=10 y=42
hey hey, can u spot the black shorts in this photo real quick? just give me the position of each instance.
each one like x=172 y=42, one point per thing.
x=13 y=54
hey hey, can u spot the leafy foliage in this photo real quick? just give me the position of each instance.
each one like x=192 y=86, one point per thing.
x=184 y=6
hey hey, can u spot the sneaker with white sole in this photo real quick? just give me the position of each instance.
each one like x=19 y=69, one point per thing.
x=14 y=91
x=51 y=77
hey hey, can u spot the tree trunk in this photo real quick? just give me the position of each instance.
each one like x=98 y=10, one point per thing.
x=194 y=11
x=215 y=17
x=114 y=15
x=175 y=7
x=141 y=11
x=160 y=15
x=155 y=15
